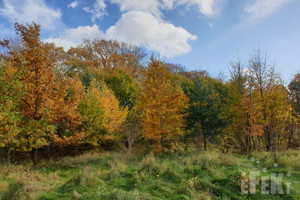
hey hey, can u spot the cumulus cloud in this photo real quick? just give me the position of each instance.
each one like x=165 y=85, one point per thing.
x=74 y=4
x=151 y=6
x=143 y=28
x=97 y=11
x=72 y=37
x=135 y=27
x=260 y=9
x=141 y=24
x=206 y=7
x=26 y=11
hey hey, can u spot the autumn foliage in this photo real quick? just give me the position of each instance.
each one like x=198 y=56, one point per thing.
x=102 y=113
x=161 y=105
x=100 y=95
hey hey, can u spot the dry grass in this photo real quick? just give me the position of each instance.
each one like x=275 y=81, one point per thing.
x=20 y=182
x=291 y=159
x=79 y=160
x=190 y=175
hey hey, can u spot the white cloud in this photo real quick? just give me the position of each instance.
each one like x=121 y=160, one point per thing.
x=73 y=37
x=168 y=4
x=140 y=24
x=151 y=6
x=27 y=11
x=206 y=7
x=135 y=27
x=74 y=4
x=263 y=8
x=97 y=11
x=143 y=28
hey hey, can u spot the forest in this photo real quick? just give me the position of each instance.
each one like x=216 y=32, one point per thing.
x=106 y=101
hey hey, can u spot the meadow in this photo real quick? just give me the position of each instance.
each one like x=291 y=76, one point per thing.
x=65 y=115
x=119 y=176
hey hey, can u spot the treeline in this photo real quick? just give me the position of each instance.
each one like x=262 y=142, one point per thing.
x=105 y=95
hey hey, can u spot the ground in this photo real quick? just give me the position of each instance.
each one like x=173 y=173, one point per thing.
x=185 y=175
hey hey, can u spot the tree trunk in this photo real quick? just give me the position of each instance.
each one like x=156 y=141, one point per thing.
x=254 y=143
x=8 y=156
x=162 y=144
x=130 y=145
x=268 y=139
x=247 y=143
x=48 y=153
x=204 y=136
x=204 y=140
x=34 y=153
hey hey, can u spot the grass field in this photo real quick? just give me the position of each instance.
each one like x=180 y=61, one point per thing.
x=189 y=175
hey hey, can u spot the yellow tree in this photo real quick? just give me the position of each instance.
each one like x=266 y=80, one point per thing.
x=102 y=113
x=279 y=113
x=161 y=104
x=262 y=77
x=242 y=111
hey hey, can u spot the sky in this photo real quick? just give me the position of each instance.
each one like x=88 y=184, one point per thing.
x=199 y=34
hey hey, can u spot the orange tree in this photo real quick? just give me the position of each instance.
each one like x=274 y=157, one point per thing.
x=160 y=105
x=37 y=59
x=47 y=102
x=65 y=114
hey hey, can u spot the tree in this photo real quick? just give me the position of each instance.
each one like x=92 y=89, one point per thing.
x=107 y=55
x=48 y=103
x=131 y=131
x=203 y=115
x=37 y=59
x=65 y=114
x=103 y=116
x=86 y=78
x=294 y=88
x=258 y=109
x=160 y=105
x=241 y=110
x=279 y=114
x=125 y=88
x=294 y=133
x=9 y=116
x=262 y=75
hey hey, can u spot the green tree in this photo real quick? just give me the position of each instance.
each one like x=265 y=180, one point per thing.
x=86 y=78
x=9 y=101
x=125 y=88
x=203 y=115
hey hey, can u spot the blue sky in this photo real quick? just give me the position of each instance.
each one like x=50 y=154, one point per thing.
x=199 y=34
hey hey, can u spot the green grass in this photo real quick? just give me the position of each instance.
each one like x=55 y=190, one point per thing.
x=190 y=175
